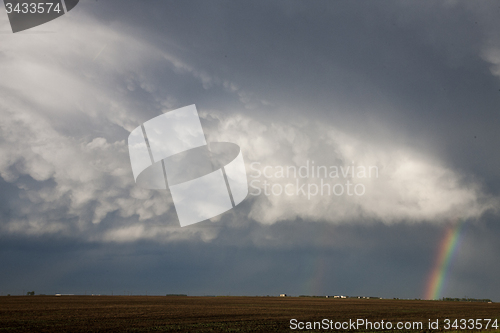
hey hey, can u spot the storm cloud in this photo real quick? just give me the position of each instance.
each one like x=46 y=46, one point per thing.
x=409 y=88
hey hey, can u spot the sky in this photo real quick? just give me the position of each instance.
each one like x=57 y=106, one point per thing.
x=409 y=89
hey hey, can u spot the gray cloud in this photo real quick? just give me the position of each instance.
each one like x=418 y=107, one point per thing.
x=411 y=88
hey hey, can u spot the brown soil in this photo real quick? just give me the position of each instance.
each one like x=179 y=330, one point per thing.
x=218 y=314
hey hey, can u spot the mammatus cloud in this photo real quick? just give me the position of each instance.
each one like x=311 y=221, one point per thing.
x=67 y=107
x=64 y=126
x=403 y=185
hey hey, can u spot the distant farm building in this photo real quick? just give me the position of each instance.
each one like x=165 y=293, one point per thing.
x=282 y=295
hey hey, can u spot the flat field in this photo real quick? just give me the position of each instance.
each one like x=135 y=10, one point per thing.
x=221 y=314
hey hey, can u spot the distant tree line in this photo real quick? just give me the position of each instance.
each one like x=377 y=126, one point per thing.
x=449 y=299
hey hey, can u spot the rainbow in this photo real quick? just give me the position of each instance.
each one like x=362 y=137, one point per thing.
x=447 y=251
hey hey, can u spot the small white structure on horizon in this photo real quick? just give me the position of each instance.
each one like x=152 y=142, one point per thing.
x=282 y=295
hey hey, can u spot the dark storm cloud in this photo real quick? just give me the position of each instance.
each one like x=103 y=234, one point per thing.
x=377 y=261
x=408 y=85
x=416 y=69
